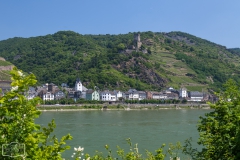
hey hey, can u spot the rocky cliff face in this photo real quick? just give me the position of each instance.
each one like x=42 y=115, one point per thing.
x=136 y=68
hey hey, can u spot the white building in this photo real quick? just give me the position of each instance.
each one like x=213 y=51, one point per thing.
x=196 y=96
x=183 y=93
x=31 y=93
x=78 y=85
x=132 y=94
x=118 y=94
x=155 y=95
x=48 y=96
x=46 y=92
x=108 y=96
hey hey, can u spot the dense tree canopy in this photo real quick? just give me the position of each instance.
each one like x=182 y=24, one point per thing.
x=220 y=129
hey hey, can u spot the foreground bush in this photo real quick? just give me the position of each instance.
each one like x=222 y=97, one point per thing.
x=20 y=137
x=220 y=129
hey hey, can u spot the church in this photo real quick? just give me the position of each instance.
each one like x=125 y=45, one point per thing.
x=78 y=92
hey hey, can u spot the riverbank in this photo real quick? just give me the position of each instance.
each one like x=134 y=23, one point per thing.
x=118 y=107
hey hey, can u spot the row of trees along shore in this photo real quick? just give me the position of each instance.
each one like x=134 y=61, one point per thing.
x=219 y=130
x=145 y=101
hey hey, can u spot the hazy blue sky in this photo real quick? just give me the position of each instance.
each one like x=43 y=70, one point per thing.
x=214 y=20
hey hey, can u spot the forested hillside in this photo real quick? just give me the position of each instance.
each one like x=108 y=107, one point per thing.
x=113 y=61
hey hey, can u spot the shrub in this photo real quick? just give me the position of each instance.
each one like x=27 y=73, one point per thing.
x=20 y=136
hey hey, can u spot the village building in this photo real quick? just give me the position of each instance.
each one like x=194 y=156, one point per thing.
x=196 y=96
x=183 y=93
x=155 y=95
x=132 y=94
x=92 y=95
x=59 y=95
x=142 y=95
x=78 y=85
x=71 y=94
x=31 y=93
x=149 y=94
x=119 y=94
x=46 y=92
x=79 y=91
x=108 y=96
x=172 y=95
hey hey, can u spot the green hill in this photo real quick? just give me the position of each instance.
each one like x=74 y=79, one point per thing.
x=108 y=61
x=234 y=50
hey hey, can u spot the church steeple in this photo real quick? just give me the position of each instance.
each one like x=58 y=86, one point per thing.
x=78 y=85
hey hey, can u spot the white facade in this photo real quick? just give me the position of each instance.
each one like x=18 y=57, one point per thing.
x=162 y=96
x=105 y=96
x=196 y=99
x=134 y=96
x=113 y=97
x=118 y=94
x=48 y=96
x=158 y=95
x=108 y=96
x=155 y=95
x=183 y=93
x=78 y=85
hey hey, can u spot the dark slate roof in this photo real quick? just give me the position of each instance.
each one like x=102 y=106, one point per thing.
x=90 y=91
x=107 y=92
x=142 y=92
x=154 y=92
x=132 y=90
x=196 y=94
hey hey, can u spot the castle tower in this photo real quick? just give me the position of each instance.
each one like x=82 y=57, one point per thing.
x=137 y=41
x=78 y=85
x=137 y=37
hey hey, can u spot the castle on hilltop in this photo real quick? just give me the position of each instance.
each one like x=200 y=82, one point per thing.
x=137 y=41
x=137 y=45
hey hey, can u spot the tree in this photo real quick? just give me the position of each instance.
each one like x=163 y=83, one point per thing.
x=220 y=129
x=20 y=136
x=120 y=46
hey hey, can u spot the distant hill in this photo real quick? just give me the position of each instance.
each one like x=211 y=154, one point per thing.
x=148 y=61
x=234 y=50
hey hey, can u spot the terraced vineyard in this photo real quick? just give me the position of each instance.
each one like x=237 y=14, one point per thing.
x=5 y=68
x=176 y=71
x=5 y=75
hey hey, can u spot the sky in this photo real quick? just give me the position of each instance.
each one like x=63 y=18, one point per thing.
x=215 y=20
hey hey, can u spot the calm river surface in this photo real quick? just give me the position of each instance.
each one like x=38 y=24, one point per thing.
x=149 y=128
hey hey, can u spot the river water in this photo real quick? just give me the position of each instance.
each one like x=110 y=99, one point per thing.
x=149 y=128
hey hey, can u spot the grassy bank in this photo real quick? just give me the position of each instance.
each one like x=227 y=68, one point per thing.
x=120 y=107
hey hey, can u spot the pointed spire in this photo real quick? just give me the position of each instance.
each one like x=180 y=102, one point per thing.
x=78 y=79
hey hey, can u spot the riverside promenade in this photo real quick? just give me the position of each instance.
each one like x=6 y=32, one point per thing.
x=131 y=106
